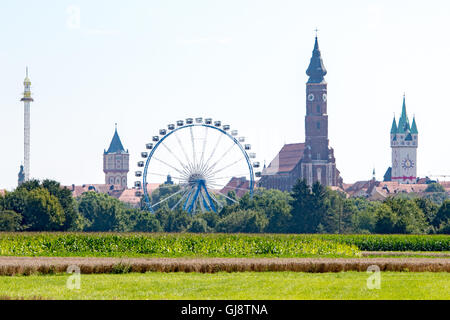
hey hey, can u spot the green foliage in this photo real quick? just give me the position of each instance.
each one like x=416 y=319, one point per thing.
x=100 y=211
x=442 y=215
x=245 y=221
x=43 y=212
x=435 y=187
x=364 y=218
x=171 y=245
x=10 y=221
x=394 y=242
x=309 y=208
x=134 y=220
x=199 y=225
x=173 y=220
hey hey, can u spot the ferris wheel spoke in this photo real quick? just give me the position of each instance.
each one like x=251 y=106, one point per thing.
x=175 y=156
x=176 y=169
x=226 y=167
x=213 y=151
x=204 y=146
x=193 y=145
x=231 y=199
x=233 y=188
x=182 y=149
x=164 y=175
x=220 y=159
x=229 y=177
x=181 y=199
x=167 y=198
x=215 y=199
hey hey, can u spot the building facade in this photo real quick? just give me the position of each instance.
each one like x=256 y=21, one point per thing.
x=312 y=160
x=404 y=140
x=116 y=163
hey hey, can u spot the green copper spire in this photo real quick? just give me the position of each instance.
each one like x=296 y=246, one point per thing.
x=403 y=123
x=414 y=127
x=394 y=127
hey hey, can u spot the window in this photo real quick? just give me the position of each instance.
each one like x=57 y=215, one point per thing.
x=318 y=109
x=318 y=125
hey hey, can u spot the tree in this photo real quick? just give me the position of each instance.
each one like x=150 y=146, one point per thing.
x=435 y=187
x=385 y=219
x=173 y=220
x=309 y=208
x=135 y=220
x=442 y=215
x=245 y=221
x=364 y=219
x=43 y=212
x=10 y=221
x=274 y=204
x=64 y=196
x=199 y=225
x=428 y=207
x=100 y=211
x=400 y=216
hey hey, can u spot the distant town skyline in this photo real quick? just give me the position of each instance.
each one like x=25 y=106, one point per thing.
x=143 y=65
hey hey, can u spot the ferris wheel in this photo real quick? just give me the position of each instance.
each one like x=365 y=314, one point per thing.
x=203 y=160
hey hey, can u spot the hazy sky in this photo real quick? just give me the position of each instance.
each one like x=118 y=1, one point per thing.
x=144 y=64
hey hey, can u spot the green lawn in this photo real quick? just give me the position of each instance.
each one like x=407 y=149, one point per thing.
x=248 y=285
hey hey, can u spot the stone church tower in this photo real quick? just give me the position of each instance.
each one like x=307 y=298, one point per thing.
x=404 y=142
x=318 y=162
x=312 y=160
x=116 y=163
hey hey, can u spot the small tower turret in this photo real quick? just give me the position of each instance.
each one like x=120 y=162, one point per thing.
x=116 y=162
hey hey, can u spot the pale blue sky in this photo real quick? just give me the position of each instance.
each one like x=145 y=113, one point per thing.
x=144 y=64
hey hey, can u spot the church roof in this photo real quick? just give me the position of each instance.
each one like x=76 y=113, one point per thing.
x=116 y=145
x=414 y=127
x=403 y=123
x=286 y=160
x=394 y=127
x=316 y=70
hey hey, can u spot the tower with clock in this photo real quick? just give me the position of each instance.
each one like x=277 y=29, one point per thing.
x=404 y=143
x=318 y=162
x=116 y=162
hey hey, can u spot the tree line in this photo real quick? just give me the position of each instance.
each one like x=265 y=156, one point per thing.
x=46 y=206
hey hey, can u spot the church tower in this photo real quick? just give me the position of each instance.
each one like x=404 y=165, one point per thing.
x=116 y=162
x=319 y=163
x=404 y=142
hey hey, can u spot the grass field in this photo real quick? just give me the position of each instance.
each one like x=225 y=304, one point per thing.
x=240 y=285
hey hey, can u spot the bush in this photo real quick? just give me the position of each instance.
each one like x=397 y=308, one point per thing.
x=10 y=221
x=245 y=221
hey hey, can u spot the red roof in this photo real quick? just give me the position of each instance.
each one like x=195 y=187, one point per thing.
x=286 y=160
x=239 y=185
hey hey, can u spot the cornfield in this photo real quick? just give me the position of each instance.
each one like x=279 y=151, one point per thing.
x=171 y=245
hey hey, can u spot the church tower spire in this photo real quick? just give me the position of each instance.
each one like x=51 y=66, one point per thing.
x=316 y=70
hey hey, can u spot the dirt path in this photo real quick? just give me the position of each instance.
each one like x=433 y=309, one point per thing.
x=45 y=265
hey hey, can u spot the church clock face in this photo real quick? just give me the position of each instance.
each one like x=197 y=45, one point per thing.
x=324 y=97
x=311 y=97
x=407 y=163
